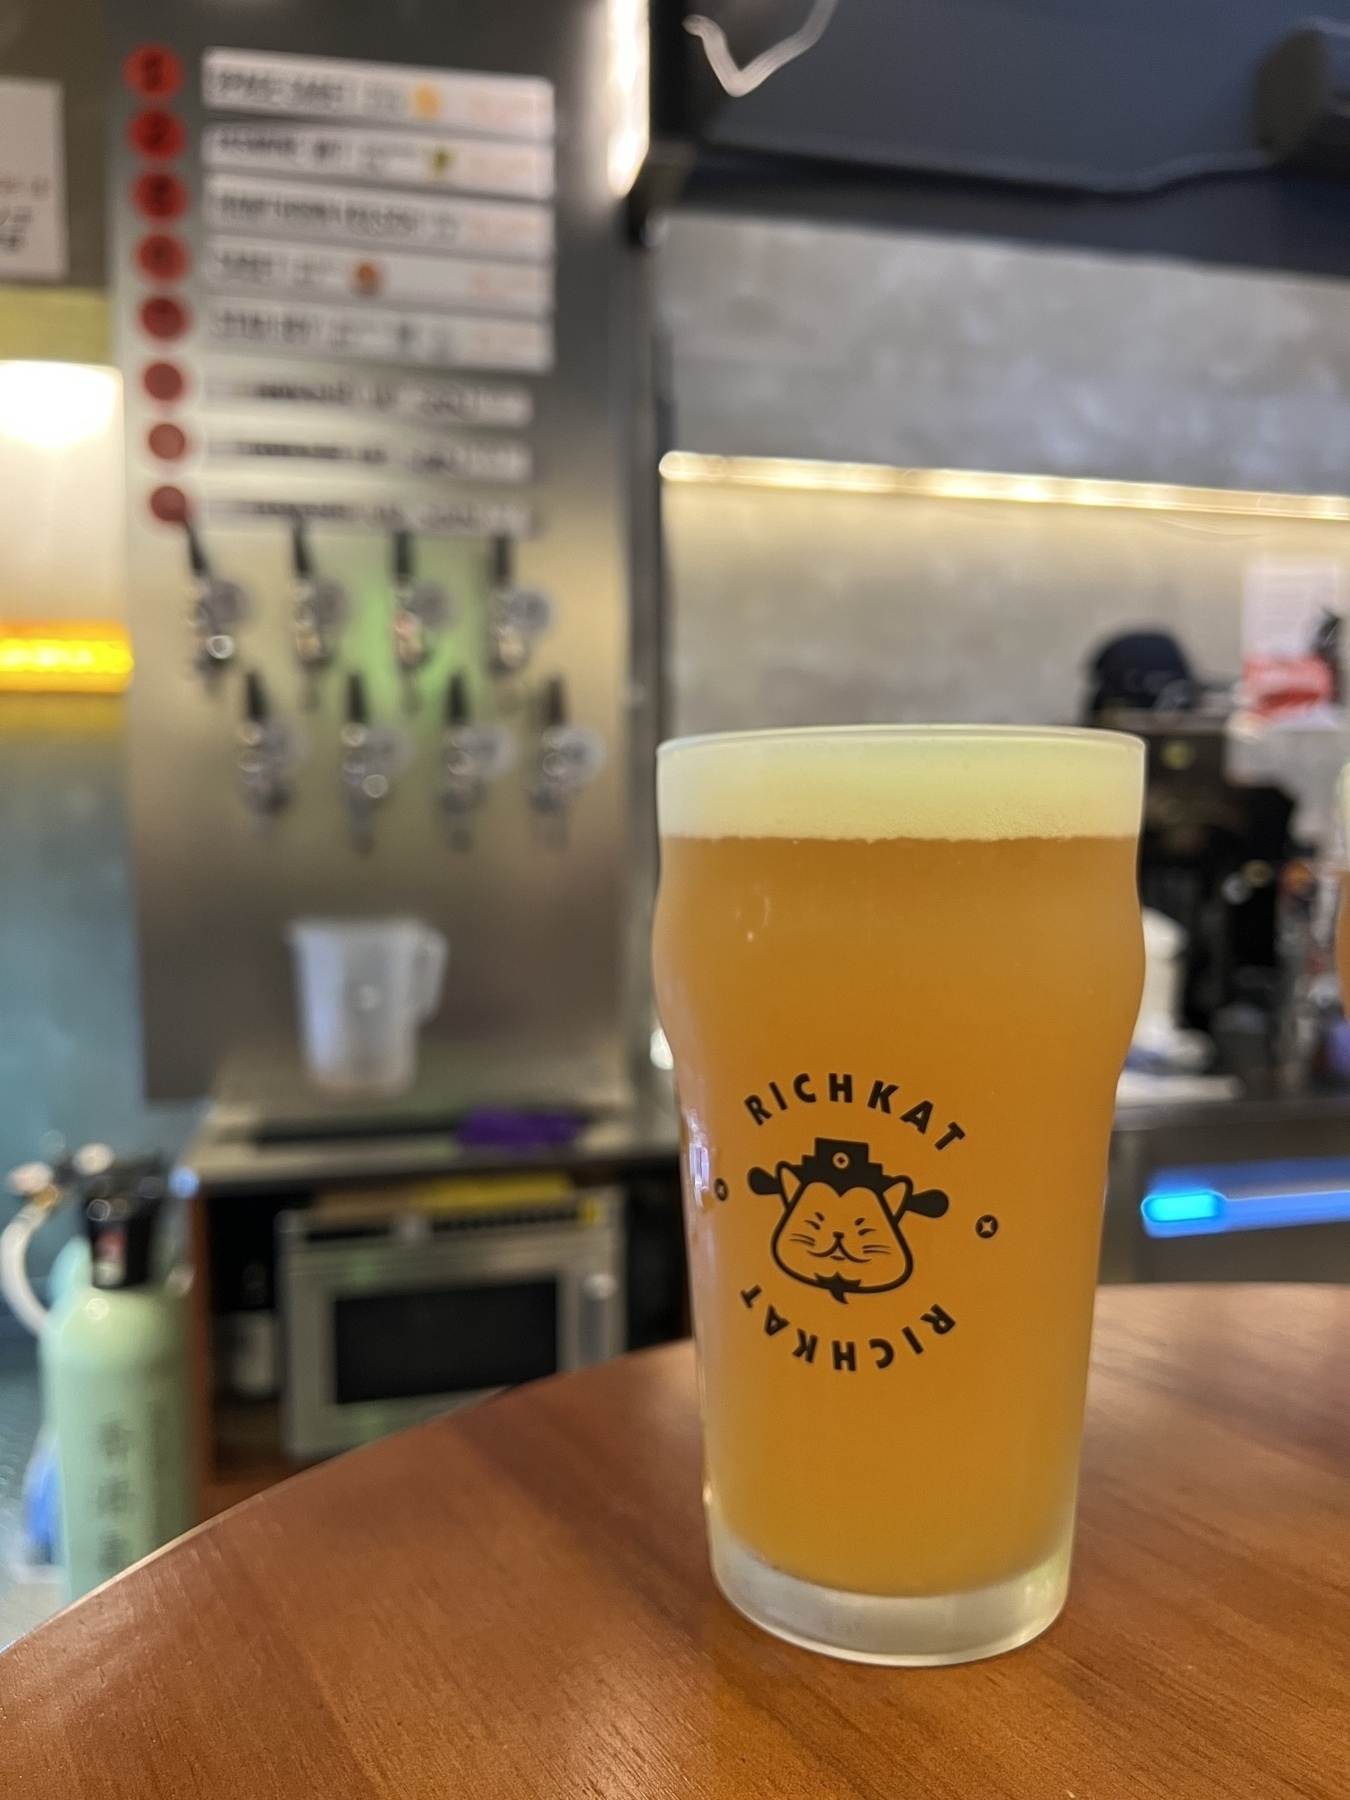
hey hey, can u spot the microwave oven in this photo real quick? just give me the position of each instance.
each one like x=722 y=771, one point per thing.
x=386 y=1321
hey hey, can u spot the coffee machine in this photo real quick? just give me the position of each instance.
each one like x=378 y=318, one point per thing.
x=1213 y=851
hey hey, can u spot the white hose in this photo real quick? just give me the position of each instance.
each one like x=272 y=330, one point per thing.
x=739 y=81
x=14 y=1240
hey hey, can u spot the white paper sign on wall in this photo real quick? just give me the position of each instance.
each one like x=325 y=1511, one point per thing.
x=32 y=182
x=1293 y=613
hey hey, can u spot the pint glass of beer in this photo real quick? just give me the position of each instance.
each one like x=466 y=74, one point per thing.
x=898 y=968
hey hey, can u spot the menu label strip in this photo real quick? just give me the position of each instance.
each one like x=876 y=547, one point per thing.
x=432 y=282
x=455 y=517
x=390 y=158
x=460 y=459
x=393 y=221
x=311 y=87
x=378 y=336
x=429 y=402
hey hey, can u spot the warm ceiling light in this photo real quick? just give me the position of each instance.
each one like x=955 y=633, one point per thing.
x=53 y=405
x=64 y=656
x=979 y=484
x=629 y=127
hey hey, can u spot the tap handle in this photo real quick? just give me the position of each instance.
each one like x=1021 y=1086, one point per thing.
x=555 y=702
x=255 y=698
x=502 y=562
x=404 y=558
x=196 y=554
x=457 y=710
x=302 y=560
x=358 y=712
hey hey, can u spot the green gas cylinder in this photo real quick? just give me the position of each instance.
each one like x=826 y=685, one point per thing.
x=70 y=1269
x=114 y=1372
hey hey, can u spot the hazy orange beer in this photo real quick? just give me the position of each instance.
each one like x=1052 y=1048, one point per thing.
x=898 y=968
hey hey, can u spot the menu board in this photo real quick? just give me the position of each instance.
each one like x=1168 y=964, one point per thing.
x=343 y=215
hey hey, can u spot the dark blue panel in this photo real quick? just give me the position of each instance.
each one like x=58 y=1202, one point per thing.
x=1090 y=92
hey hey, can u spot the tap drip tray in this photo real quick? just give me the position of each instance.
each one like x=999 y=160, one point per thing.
x=488 y=1095
x=505 y=1128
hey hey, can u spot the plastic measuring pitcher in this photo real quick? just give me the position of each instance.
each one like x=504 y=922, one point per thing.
x=364 y=986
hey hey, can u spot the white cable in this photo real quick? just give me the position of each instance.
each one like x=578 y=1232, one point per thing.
x=740 y=81
x=14 y=1240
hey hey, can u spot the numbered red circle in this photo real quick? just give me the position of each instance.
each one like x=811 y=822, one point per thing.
x=168 y=442
x=162 y=258
x=164 y=317
x=153 y=71
x=159 y=196
x=156 y=133
x=170 y=505
x=164 y=381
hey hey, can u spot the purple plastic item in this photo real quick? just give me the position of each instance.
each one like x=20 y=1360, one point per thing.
x=1337 y=1043
x=498 y=1128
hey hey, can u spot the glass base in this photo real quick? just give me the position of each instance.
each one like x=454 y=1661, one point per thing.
x=914 y=1631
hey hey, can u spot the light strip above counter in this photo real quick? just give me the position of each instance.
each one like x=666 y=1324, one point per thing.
x=800 y=475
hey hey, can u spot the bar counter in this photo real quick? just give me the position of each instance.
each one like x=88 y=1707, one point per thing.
x=516 y=1602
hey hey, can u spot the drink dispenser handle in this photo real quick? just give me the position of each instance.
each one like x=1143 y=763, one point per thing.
x=358 y=712
x=555 y=703
x=255 y=698
x=457 y=710
x=403 y=556
x=501 y=562
x=196 y=553
x=302 y=560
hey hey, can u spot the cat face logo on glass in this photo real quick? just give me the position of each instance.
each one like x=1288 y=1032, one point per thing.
x=840 y=1226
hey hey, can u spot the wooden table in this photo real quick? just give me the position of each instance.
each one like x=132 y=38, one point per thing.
x=516 y=1602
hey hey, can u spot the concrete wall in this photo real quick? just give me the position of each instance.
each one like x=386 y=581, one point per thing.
x=817 y=341
x=793 y=608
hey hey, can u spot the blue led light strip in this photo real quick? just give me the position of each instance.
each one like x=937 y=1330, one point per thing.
x=1253 y=1196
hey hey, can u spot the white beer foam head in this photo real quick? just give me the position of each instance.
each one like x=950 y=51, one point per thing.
x=902 y=781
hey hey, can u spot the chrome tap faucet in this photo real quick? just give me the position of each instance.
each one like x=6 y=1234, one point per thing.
x=472 y=758
x=567 y=758
x=372 y=758
x=269 y=752
x=219 y=609
x=421 y=608
x=517 y=616
x=319 y=610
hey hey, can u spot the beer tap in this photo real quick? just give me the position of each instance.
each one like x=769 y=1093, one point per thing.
x=319 y=610
x=567 y=758
x=420 y=609
x=516 y=616
x=372 y=756
x=472 y=758
x=270 y=750
x=219 y=608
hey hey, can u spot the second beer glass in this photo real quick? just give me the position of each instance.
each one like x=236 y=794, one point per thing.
x=898 y=969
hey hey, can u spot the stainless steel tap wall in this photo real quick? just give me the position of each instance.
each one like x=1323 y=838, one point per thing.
x=538 y=1001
